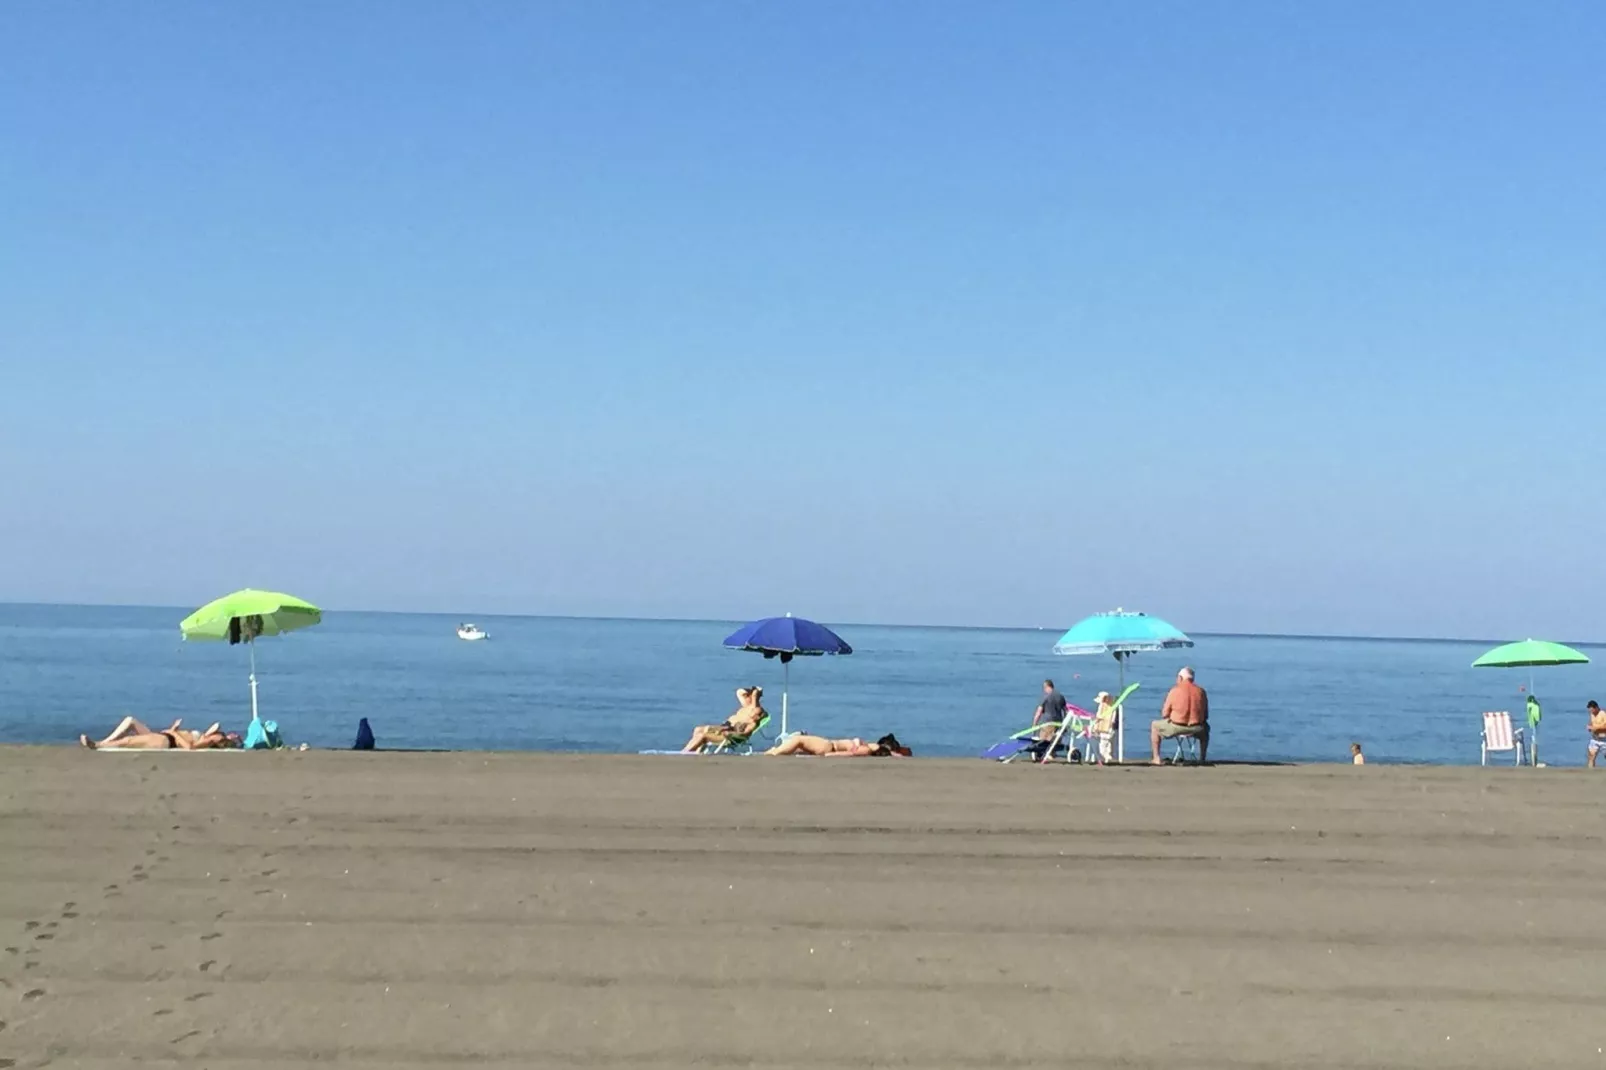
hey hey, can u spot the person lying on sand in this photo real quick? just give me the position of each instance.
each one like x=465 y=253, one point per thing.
x=803 y=743
x=133 y=734
x=741 y=724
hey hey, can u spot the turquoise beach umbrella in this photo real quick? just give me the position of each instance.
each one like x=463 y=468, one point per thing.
x=1121 y=634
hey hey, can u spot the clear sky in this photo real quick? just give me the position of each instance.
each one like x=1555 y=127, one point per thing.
x=1259 y=316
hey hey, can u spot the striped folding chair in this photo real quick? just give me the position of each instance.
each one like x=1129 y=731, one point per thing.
x=1499 y=736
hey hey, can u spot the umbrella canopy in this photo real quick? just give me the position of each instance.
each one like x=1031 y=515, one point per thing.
x=786 y=638
x=244 y=615
x=257 y=613
x=1529 y=652
x=1120 y=633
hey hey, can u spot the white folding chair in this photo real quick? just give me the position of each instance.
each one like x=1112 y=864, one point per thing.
x=1499 y=736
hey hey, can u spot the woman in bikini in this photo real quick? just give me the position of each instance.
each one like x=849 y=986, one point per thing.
x=741 y=724
x=803 y=743
x=133 y=734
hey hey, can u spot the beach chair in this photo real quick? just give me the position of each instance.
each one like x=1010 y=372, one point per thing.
x=1187 y=750
x=738 y=744
x=1025 y=744
x=1499 y=736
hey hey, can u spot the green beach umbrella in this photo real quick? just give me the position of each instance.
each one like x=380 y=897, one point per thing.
x=1530 y=654
x=242 y=616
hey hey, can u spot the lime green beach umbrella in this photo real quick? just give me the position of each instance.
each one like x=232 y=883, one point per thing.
x=242 y=616
x=1529 y=654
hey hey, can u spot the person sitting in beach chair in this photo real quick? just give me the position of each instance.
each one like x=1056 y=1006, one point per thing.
x=133 y=734
x=736 y=729
x=820 y=747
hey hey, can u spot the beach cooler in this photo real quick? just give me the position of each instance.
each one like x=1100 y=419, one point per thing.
x=1499 y=736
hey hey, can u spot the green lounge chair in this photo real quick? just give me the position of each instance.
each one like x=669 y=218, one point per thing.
x=734 y=744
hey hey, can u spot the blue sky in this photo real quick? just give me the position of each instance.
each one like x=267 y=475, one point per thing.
x=1258 y=316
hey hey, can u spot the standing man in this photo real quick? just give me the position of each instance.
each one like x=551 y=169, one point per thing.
x=1597 y=731
x=1186 y=713
x=1051 y=712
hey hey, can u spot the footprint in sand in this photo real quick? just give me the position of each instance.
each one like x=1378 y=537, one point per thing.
x=208 y=964
x=186 y=1036
x=45 y=936
x=210 y=936
x=158 y=1014
x=33 y=993
x=158 y=947
x=29 y=926
x=12 y=951
x=139 y=876
x=52 y=924
x=197 y=997
x=8 y=1062
x=69 y=913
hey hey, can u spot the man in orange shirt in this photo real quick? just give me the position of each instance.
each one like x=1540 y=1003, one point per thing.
x=1186 y=713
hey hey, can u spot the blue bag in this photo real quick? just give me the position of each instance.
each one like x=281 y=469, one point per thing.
x=263 y=735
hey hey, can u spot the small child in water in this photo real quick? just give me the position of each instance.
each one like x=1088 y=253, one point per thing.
x=1359 y=758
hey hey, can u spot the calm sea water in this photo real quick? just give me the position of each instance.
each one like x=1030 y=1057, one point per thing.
x=626 y=685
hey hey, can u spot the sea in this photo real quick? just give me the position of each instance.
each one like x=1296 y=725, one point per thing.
x=593 y=685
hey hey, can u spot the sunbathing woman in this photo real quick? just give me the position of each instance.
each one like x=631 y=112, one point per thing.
x=741 y=724
x=802 y=743
x=133 y=734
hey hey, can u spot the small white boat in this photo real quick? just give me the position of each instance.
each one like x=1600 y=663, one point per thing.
x=471 y=632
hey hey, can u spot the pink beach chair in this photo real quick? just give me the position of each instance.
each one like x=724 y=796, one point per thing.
x=1499 y=736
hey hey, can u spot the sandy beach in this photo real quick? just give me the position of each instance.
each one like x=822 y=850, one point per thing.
x=260 y=911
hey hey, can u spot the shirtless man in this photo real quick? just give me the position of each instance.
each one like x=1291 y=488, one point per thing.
x=1597 y=731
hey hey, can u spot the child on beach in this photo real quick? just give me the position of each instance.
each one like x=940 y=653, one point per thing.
x=1356 y=756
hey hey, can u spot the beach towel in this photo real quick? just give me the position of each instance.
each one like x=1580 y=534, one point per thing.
x=365 y=736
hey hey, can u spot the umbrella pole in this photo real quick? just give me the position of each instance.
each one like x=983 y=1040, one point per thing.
x=1120 y=739
x=253 y=645
x=786 y=685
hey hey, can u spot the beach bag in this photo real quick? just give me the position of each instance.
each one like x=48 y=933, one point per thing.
x=365 y=736
x=263 y=735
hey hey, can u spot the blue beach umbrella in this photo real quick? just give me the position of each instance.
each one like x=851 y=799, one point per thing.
x=1121 y=634
x=786 y=638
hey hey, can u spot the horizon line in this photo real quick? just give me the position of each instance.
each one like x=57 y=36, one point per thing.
x=843 y=624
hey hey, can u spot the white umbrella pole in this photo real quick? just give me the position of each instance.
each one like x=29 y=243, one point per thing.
x=786 y=685
x=253 y=645
x=1120 y=739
